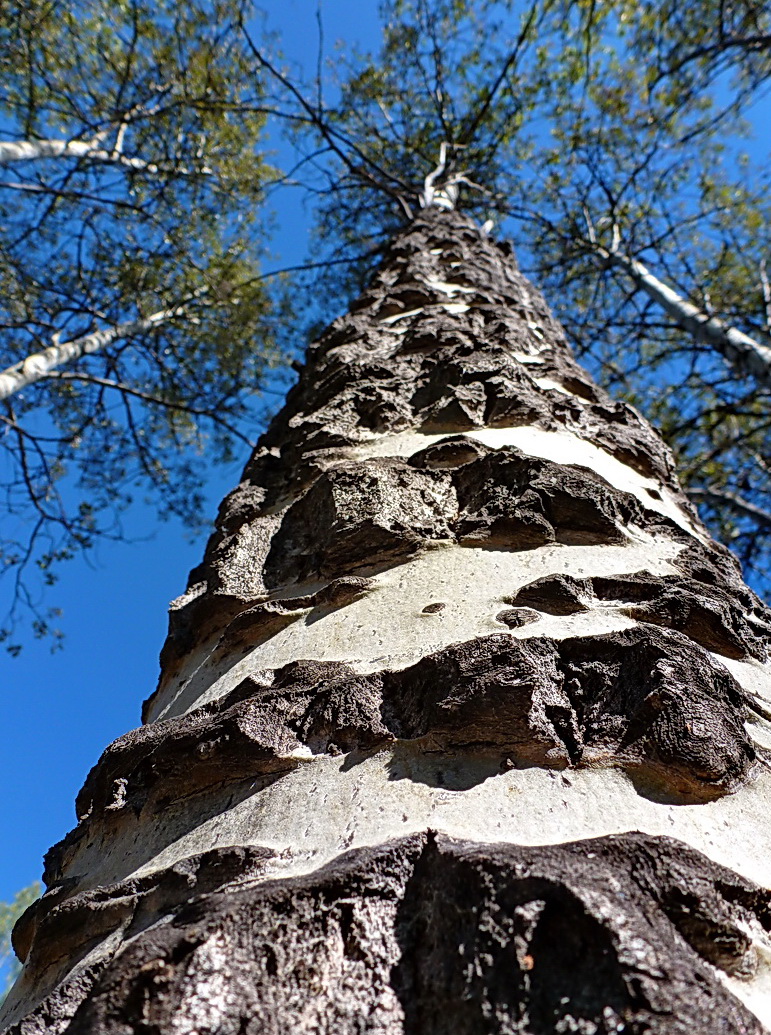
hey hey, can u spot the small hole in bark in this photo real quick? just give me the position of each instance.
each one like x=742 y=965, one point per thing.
x=432 y=609
x=271 y=963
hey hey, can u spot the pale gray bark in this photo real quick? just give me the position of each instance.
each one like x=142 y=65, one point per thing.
x=39 y=365
x=461 y=722
x=14 y=151
x=746 y=356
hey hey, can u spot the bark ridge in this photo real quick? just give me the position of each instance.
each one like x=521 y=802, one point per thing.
x=454 y=557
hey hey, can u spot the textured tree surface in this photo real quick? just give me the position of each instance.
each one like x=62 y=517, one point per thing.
x=462 y=723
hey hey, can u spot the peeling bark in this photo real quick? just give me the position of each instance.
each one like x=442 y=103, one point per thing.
x=462 y=723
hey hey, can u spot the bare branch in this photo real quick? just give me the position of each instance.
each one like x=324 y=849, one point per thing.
x=156 y=400
x=443 y=197
x=721 y=497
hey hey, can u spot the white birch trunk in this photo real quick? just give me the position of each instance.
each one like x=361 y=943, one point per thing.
x=13 y=152
x=39 y=365
x=461 y=724
x=746 y=356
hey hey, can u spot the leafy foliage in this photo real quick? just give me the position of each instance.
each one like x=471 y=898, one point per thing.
x=132 y=183
x=9 y=914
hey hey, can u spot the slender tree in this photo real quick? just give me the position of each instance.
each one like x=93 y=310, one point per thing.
x=461 y=723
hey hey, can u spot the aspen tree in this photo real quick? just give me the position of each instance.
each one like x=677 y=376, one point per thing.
x=461 y=722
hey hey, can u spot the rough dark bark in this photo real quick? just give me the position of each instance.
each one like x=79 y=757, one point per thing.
x=457 y=592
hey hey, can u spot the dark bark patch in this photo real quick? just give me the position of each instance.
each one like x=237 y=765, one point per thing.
x=516 y=617
x=507 y=498
x=450 y=452
x=554 y=595
x=656 y=702
x=708 y=622
x=490 y=691
x=650 y=701
x=326 y=702
x=544 y=948
x=357 y=515
x=60 y=929
x=427 y=935
x=710 y=615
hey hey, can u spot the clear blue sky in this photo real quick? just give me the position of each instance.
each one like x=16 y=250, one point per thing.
x=59 y=711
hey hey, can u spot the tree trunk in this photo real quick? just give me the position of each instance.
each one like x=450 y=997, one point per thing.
x=461 y=722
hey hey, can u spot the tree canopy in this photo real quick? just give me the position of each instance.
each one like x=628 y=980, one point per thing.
x=132 y=180
x=605 y=137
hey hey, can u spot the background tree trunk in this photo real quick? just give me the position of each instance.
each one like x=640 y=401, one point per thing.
x=460 y=725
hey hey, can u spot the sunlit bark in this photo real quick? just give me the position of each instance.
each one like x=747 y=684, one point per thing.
x=461 y=721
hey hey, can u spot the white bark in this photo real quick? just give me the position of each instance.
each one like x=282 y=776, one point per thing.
x=13 y=151
x=746 y=356
x=355 y=663
x=40 y=364
x=441 y=197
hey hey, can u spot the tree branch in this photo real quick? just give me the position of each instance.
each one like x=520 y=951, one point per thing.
x=746 y=356
x=721 y=497
x=156 y=400
x=40 y=364
x=13 y=151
